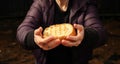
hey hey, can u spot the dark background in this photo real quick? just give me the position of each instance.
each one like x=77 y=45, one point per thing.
x=12 y=13
x=19 y=7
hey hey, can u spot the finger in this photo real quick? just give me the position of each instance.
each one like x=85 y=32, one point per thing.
x=39 y=31
x=70 y=44
x=78 y=27
x=80 y=31
x=51 y=44
x=54 y=43
x=73 y=38
x=48 y=39
x=67 y=43
x=38 y=35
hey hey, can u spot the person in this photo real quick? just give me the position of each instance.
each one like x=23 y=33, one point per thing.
x=82 y=14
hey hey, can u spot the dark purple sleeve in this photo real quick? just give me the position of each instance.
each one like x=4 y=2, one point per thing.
x=95 y=33
x=32 y=21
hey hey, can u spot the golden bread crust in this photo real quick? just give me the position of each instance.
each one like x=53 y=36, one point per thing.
x=59 y=31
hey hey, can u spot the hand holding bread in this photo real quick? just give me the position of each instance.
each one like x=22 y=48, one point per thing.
x=71 y=41
x=47 y=43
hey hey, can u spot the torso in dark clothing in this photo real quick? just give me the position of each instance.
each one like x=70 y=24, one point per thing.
x=61 y=54
x=61 y=16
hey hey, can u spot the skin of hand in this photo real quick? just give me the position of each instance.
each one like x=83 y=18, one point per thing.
x=45 y=43
x=74 y=40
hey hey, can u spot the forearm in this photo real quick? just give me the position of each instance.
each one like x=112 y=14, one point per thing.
x=22 y=32
x=29 y=41
x=95 y=33
x=31 y=22
x=90 y=38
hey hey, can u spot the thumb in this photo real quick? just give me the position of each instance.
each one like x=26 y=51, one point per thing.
x=39 y=31
x=79 y=27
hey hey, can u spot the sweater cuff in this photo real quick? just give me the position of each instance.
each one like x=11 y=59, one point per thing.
x=90 y=37
x=29 y=41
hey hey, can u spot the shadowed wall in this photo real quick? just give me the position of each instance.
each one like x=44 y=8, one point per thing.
x=12 y=8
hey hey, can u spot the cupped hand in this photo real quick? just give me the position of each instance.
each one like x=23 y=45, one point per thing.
x=45 y=43
x=74 y=40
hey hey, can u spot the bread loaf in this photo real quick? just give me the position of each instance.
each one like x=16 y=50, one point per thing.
x=59 y=31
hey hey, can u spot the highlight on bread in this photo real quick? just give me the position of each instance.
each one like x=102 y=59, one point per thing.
x=59 y=31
